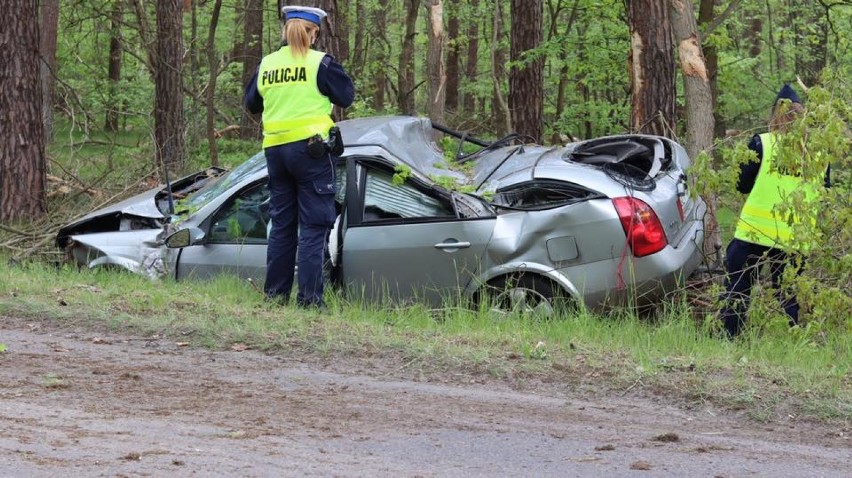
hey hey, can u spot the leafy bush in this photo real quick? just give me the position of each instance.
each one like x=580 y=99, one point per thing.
x=821 y=137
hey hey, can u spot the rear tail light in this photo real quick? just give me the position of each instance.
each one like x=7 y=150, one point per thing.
x=644 y=231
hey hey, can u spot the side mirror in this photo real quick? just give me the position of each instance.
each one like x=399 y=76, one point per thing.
x=185 y=237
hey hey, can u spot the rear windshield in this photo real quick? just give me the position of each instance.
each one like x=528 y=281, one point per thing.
x=537 y=195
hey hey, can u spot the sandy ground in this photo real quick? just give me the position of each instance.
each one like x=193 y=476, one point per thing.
x=80 y=403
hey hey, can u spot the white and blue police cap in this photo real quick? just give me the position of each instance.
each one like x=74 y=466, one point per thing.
x=311 y=14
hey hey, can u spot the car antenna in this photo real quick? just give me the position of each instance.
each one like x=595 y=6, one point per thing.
x=169 y=194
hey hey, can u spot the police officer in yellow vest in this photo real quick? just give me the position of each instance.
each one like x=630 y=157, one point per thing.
x=295 y=88
x=762 y=234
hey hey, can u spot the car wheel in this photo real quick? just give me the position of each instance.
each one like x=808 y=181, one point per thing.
x=526 y=295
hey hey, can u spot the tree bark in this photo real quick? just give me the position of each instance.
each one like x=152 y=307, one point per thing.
x=22 y=158
x=699 y=106
x=213 y=66
x=49 y=27
x=168 y=86
x=406 y=77
x=251 y=55
x=706 y=18
x=435 y=61
x=502 y=118
x=113 y=108
x=526 y=83
x=148 y=44
x=472 y=62
x=358 y=59
x=452 y=100
x=379 y=75
x=652 y=73
x=333 y=41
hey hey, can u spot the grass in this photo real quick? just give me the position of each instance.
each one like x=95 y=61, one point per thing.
x=771 y=373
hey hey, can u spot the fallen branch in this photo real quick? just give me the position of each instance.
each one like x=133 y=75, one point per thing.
x=62 y=186
x=226 y=129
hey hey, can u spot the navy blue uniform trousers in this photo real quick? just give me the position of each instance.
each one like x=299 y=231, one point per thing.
x=743 y=262
x=301 y=207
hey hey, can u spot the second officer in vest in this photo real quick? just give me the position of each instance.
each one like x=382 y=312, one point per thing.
x=295 y=88
x=762 y=234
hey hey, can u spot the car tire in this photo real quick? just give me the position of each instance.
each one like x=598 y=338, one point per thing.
x=527 y=295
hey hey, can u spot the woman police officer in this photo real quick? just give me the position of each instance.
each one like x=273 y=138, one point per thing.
x=762 y=234
x=295 y=88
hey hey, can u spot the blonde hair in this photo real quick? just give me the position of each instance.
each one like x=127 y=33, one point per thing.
x=300 y=34
x=782 y=116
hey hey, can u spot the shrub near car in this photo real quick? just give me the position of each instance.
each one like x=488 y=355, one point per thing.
x=601 y=221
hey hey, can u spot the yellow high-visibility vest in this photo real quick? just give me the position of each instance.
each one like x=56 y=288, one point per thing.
x=293 y=107
x=759 y=221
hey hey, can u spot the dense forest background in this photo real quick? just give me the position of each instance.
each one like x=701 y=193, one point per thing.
x=106 y=57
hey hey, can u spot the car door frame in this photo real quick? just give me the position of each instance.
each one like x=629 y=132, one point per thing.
x=356 y=168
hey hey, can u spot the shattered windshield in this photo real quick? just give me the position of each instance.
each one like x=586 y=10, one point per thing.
x=212 y=190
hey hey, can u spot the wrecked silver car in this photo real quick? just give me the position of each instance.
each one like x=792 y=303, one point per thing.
x=604 y=221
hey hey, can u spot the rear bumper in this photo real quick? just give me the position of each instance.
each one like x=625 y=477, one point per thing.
x=641 y=281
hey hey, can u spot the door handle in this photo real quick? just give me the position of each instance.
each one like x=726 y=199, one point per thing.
x=452 y=245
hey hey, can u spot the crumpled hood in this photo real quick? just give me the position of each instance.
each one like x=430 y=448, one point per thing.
x=142 y=205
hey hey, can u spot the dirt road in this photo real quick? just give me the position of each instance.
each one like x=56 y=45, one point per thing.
x=79 y=403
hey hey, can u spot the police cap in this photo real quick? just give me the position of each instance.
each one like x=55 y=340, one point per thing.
x=311 y=14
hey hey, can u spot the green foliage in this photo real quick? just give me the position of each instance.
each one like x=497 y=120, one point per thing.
x=401 y=174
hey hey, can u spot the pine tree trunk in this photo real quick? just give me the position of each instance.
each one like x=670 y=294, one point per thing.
x=652 y=73
x=359 y=54
x=22 y=158
x=381 y=48
x=500 y=110
x=113 y=107
x=526 y=83
x=406 y=76
x=472 y=63
x=49 y=26
x=699 y=106
x=168 y=86
x=333 y=39
x=452 y=100
x=435 y=61
x=251 y=56
x=711 y=56
x=213 y=68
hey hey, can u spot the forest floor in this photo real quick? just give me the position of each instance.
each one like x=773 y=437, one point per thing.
x=84 y=402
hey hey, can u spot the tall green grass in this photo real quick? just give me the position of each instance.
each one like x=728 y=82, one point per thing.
x=771 y=372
